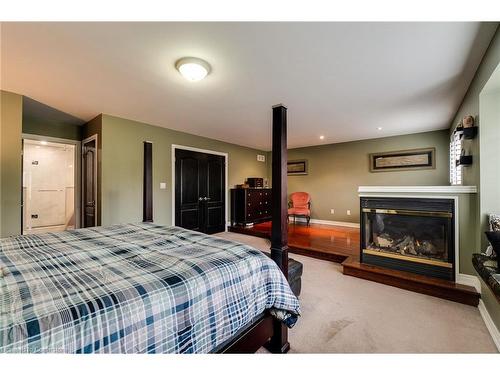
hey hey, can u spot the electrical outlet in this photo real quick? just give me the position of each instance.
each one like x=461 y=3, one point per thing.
x=348 y=212
x=332 y=211
x=261 y=158
x=163 y=185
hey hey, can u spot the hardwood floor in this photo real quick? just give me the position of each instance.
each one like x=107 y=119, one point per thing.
x=326 y=242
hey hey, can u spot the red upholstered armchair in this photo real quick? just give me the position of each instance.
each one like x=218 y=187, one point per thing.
x=300 y=205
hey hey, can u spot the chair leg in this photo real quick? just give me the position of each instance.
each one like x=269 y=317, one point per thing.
x=308 y=220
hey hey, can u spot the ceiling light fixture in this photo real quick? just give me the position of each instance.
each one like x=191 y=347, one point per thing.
x=379 y=128
x=193 y=68
x=43 y=143
x=321 y=137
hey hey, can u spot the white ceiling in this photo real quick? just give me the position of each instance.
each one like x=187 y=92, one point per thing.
x=340 y=80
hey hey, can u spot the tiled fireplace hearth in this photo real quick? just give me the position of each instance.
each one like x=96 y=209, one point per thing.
x=409 y=234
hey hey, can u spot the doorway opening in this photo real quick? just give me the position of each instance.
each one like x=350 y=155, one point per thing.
x=89 y=182
x=50 y=185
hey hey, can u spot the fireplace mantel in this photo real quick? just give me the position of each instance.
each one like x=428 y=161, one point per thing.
x=450 y=189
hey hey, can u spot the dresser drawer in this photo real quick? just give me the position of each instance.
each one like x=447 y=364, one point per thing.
x=251 y=205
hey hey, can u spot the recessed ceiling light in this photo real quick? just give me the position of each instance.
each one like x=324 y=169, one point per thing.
x=321 y=137
x=193 y=68
x=43 y=143
x=379 y=128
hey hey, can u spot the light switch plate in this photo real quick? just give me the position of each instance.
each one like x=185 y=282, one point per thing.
x=163 y=185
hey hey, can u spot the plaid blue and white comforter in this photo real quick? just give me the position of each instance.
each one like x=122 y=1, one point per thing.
x=133 y=288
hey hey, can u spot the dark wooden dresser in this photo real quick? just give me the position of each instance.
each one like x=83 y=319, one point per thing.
x=250 y=206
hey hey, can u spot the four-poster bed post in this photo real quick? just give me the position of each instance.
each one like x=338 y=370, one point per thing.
x=147 y=194
x=279 y=232
x=269 y=331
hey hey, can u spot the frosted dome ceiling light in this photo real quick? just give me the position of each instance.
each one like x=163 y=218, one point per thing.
x=192 y=68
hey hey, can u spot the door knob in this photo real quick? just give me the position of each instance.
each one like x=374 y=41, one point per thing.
x=207 y=198
x=200 y=198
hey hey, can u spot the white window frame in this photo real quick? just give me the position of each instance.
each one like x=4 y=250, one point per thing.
x=456 y=172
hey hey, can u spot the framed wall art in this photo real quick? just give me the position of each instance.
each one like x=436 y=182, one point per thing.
x=297 y=167
x=422 y=158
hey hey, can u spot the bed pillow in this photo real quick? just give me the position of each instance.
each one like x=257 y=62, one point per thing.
x=494 y=238
x=494 y=221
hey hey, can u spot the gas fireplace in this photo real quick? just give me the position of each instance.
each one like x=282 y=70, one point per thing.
x=409 y=234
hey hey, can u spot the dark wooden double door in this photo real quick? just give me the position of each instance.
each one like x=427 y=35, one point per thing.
x=200 y=193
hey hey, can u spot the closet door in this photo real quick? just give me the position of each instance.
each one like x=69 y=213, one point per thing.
x=199 y=191
x=215 y=198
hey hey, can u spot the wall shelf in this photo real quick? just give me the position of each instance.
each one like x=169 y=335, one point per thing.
x=465 y=160
x=469 y=133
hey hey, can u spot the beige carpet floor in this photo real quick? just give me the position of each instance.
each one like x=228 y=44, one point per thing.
x=344 y=314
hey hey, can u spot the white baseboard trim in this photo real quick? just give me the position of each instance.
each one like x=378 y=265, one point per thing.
x=490 y=325
x=325 y=222
x=328 y=222
x=470 y=280
x=474 y=281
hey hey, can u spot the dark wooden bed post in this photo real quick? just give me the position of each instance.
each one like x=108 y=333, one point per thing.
x=279 y=232
x=147 y=193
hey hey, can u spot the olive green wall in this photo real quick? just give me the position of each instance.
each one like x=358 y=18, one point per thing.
x=122 y=167
x=41 y=119
x=472 y=174
x=11 y=108
x=488 y=148
x=38 y=127
x=336 y=171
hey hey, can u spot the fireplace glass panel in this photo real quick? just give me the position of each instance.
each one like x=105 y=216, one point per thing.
x=412 y=236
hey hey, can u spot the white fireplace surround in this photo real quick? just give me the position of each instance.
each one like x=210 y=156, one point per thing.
x=450 y=189
x=432 y=192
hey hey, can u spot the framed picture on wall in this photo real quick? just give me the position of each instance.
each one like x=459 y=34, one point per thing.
x=297 y=167
x=422 y=158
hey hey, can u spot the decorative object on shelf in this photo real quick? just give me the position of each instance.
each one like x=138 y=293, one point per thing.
x=464 y=159
x=468 y=121
x=297 y=167
x=423 y=158
x=466 y=128
x=255 y=182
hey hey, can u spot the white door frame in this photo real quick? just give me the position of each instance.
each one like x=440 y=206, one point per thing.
x=226 y=182
x=96 y=174
x=77 y=180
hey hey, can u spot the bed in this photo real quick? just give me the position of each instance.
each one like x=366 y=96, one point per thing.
x=147 y=288
x=134 y=288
